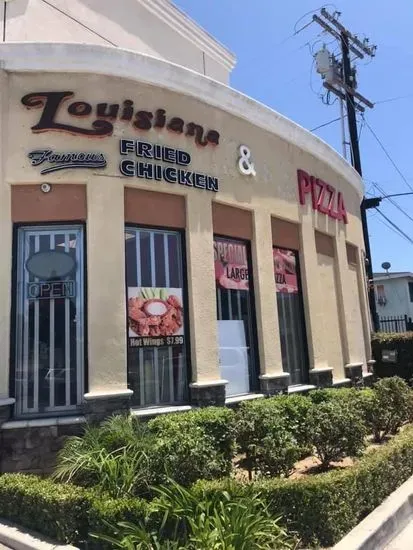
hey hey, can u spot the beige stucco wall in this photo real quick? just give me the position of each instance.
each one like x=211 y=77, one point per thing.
x=354 y=319
x=272 y=192
x=151 y=27
x=326 y=275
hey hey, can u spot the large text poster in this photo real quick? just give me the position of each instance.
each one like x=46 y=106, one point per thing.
x=285 y=270
x=231 y=264
x=155 y=317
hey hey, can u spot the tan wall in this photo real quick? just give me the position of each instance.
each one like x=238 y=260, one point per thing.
x=65 y=202
x=354 y=320
x=245 y=206
x=328 y=304
x=155 y=209
x=132 y=26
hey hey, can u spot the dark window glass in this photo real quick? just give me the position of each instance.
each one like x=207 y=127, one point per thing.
x=157 y=364
x=411 y=291
x=49 y=328
x=234 y=314
x=290 y=315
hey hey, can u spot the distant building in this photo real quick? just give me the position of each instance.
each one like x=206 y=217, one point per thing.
x=394 y=293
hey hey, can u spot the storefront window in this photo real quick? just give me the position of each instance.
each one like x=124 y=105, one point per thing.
x=157 y=365
x=49 y=349
x=291 y=315
x=234 y=310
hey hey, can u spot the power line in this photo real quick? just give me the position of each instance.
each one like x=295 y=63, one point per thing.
x=326 y=124
x=397 y=98
x=387 y=154
x=79 y=23
x=394 y=203
x=395 y=226
x=387 y=225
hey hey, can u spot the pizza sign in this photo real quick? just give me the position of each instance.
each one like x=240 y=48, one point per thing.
x=324 y=197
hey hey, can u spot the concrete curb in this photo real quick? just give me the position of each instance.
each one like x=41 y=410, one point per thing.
x=17 y=539
x=384 y=523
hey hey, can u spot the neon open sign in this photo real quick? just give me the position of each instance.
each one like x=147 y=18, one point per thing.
x=51 y=290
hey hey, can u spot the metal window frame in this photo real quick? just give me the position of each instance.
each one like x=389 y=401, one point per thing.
x=49 y=228
x=253 y=355
x=134 y=227
x=305 y=371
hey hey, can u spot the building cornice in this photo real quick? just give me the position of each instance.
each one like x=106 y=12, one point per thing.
x=105 y=60
x=189 y=29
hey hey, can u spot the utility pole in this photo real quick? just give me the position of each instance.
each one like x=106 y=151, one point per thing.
x=339 y=78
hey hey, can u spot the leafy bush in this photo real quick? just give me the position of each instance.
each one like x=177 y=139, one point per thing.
x=322 y=508
x=218 y=522
x=265 y=433
x=402 y=343
x=334 y=394
x=194 y=445
x=113 y=457
x=64 y=512
x=388 y=405
x=58 y=511
x=336 y=431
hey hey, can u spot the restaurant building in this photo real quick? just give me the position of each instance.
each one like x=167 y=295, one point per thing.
x=166 y=241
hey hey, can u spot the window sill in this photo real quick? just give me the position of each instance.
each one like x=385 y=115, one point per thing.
x=43 y=422
x=341 y=382
x=240 y=398
x=156 y=411
x=301 y=388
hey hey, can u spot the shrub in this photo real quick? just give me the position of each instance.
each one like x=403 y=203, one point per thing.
x=194 y=445
x=113 y=457
x=334 y=394
x=336 y=431
x=57 y=511
x=64 y=512
x=388 y=406
x=265 y=434
x=322 y=508
x=211 y=523
x=402 y=343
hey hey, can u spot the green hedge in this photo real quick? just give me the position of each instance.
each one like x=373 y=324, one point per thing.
x=323 y=508
x=198 y=444
x=402 y=342
x=65 y=513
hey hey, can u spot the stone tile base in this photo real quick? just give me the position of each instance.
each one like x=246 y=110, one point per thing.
x=97 y=408
x=368 y=379
x=321 y=378
x=354 y=371
x=274 y=384
x=203 y=395
x=5 y=413
x=33 y=449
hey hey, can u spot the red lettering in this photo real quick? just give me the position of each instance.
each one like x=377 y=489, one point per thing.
x=331 y=211
x=313 y=181
x=341 y=209
x=321 y=197
x=304 y=185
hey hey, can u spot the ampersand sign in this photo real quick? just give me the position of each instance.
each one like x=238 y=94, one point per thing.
x=245 y=165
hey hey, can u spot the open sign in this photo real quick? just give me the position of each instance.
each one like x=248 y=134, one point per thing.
x=51 y=290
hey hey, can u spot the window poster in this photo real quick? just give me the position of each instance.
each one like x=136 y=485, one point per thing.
x=231 y=264
x=155 y=317
x=285 y=270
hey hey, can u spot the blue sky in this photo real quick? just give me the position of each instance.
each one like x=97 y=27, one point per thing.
x=274 y=67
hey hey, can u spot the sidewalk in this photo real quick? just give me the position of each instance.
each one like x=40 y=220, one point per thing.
x=404 y=540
